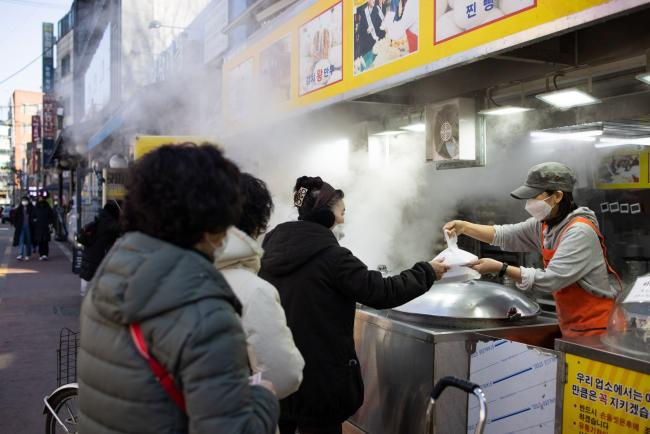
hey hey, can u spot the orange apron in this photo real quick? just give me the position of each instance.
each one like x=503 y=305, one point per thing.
x=579 y=312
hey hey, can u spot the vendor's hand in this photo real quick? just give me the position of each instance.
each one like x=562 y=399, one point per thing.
x=439 y=268
x=455 y=228
x=487 y=266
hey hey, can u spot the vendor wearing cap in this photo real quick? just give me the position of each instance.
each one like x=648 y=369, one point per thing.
x=576 y=270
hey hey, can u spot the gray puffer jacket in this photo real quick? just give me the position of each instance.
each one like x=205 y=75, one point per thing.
x=190 y=320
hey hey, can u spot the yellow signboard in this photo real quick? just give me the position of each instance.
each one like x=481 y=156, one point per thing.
x=146 y=144
x=334 y=47
x=604 y=399
x=114 y=184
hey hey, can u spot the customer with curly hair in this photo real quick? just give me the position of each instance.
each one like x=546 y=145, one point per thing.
x=265 y=324
x=159 y=277
x=320 y=283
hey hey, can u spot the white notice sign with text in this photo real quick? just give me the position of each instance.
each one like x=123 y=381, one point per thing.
x=640 y=292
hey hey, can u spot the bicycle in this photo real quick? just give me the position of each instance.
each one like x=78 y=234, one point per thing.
x=62 y=405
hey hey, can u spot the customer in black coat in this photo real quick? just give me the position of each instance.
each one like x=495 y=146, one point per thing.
x=320 y=283
x=107 y=231
x=43 y=218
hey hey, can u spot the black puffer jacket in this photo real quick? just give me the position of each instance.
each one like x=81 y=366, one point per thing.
x=107 y=231
x=190 y=320
x=43 y=217
x=319 y=284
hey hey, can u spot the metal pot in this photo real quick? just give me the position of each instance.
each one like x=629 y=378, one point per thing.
x=474 y=304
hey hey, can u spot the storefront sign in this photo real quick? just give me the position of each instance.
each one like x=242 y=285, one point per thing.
x=604 y=399
x=48 y=57
x=145 y=144
x=114 y=182
x=341 y=49
x=49 y=117
x=49 y=127
x=321 y=50
x=275 y=70
x=36 y=129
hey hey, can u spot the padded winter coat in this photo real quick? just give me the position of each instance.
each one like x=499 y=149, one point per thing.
x=190 y=320
x=265 y=324
x=320 y=283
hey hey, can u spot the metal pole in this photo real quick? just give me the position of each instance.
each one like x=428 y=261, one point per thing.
x=60 y=187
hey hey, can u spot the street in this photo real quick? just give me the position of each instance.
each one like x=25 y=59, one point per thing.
x=37 y=299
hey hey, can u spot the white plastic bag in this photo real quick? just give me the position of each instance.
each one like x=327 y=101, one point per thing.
x=457 y=260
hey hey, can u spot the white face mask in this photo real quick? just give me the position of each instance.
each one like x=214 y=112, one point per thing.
x=539 y=208
x=339 y=231
x=25 y=203
x=218 y=250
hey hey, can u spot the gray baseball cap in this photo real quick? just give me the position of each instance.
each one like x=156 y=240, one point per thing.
x=546 y=176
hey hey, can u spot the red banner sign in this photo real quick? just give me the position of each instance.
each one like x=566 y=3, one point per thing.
x=36 y=129
x=49 y=117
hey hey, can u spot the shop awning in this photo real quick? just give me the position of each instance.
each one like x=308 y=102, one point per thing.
x=113 y=124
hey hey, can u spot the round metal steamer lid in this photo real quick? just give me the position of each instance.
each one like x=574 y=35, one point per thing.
x=475 y=300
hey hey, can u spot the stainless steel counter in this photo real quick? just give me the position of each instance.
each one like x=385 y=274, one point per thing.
x=401 y=361
x=593 y=348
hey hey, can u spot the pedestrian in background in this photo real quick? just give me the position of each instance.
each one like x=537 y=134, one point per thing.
x=158 y=288
x=60 y=227
x=22 y=221
x=97 y=238
x=43 y=220
x=265 y=324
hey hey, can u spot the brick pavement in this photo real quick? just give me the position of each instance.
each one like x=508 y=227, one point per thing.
x=37 y=299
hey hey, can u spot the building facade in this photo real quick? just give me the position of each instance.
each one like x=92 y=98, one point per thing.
x=24 y=105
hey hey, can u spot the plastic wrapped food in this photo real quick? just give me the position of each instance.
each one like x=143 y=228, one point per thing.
x=457 y=260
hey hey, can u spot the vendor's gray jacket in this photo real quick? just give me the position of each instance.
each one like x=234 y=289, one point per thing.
x=190 y=320
x=579 y=257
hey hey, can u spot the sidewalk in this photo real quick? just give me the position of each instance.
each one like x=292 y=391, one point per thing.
x=37 y=299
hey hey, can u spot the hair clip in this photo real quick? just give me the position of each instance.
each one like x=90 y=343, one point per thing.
x=299 y=197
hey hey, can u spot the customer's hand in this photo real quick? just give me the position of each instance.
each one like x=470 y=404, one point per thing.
x=268 y=386
x=487 y=266
x=455 y=228
x=439 y=268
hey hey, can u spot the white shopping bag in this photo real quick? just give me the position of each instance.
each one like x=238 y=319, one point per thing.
x=457 y=260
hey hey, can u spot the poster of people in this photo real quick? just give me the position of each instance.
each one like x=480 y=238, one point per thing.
x=620 y=168
x=384 y=31
x=455 y=17
x=275 y=69
x=321 y=50
x=240 y=88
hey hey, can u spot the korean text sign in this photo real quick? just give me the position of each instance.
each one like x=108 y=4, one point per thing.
x=604 y=399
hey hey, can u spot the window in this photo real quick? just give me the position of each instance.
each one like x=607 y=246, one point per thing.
x=65 y=65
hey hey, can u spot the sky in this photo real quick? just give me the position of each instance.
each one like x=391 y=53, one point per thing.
x=21 y=42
